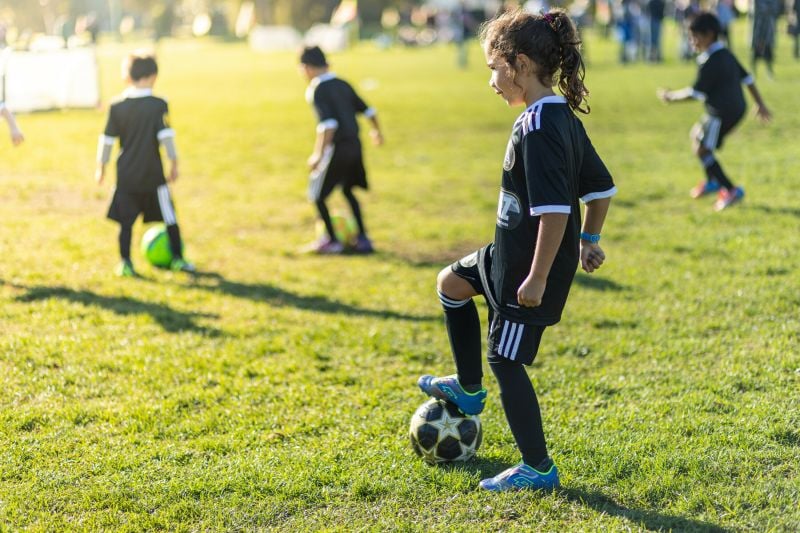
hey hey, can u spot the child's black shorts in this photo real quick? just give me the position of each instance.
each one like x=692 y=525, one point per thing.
x=156 y=206
x=711 y=130
x=341 y=164
x=507 y=339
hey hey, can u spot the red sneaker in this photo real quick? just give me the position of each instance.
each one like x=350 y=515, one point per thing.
x=727 y=198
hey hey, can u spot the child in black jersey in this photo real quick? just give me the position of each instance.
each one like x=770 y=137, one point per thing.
x=13 y=128
x=525 y=274
x=336 y=159
x=140 y=121
x=719 y=86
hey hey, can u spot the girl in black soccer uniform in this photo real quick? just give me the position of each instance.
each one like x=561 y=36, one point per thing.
x=525 y=274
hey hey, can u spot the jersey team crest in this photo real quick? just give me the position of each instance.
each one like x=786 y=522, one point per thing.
x=509 y=211
x=510 y=158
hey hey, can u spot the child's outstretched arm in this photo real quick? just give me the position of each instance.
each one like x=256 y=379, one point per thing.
x=761 y=109
x=592 y=256
x=325 y=133
x=551 y=233
x=681 y=95
x=167 y=138
x=16 y=133
x=375 y=132
x=104 y=145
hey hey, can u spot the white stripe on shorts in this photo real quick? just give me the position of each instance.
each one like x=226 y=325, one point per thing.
x=506 y=350
x=502 y=337
x=317 y=176
x=514 y=350
x=164 y=202
x=711 y=136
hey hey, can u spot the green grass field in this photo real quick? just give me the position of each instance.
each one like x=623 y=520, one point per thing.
x=275 y=391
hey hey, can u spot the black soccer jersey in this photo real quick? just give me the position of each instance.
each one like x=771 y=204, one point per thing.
x=140 y=122
x=719 y=83
x=337 y=104
x=550 y=165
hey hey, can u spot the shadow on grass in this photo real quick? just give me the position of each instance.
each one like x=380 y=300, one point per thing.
x=260 y=292
x=438 y=258
x=649 y=519
x=770 y=210
x=598 y=284
x=171 y=320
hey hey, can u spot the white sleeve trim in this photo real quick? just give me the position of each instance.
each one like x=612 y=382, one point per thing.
x=547 y=209
x=597 y=195
x=697 y=95
x=370 y=112
x=749 y=80
x=104 y=145
x=165 y=134
x=330 y=124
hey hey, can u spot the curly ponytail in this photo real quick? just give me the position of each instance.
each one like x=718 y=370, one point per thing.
x=551 y=41
x=572 y=69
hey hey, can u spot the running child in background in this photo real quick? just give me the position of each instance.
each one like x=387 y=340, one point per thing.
x=525 y=275
x=140 y=121
x=719 y=87
x=337 y=158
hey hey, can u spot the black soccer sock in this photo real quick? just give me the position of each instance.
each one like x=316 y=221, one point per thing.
x=356 y=208
x=125 y=231
x=175 y=244
x=464 y=329
x=522 y=409
x=326 y=219
x=714 y=171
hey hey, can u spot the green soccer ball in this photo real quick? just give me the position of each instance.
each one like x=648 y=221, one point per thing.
x=345 y=228
x=155 y=246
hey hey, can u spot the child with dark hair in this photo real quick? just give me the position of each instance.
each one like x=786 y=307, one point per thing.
x=140 y=121
x=719 y=86
x=525 y=275
x=337 y=159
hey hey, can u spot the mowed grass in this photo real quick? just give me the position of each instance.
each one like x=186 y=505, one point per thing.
x=274 y=392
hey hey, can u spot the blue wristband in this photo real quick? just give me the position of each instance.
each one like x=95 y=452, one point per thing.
x=593 y=238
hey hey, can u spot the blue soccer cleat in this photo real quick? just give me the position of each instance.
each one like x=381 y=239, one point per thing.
x=448 y=388
x=523 y=477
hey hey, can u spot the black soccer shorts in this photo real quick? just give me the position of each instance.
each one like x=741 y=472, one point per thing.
x=711 y=131
x=156 y=206
x=507 y=339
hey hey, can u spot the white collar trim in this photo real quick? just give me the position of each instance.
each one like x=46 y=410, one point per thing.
x=136 y=92
x=322 y=78
x=715 y=47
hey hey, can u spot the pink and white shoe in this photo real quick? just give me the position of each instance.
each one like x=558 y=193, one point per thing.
x=327 y=246
x=727 y=198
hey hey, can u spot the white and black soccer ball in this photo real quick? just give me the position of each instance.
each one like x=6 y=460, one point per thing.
x=440 y=433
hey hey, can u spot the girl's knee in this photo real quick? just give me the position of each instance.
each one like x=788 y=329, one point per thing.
x=454 y=286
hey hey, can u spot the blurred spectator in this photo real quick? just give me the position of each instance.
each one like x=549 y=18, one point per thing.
x=794 y=27
x=655 y=10
x=685 y=11
x=726 y=13
x=765 y=15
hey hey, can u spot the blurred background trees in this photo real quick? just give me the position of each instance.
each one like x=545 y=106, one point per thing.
x=161 y=15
